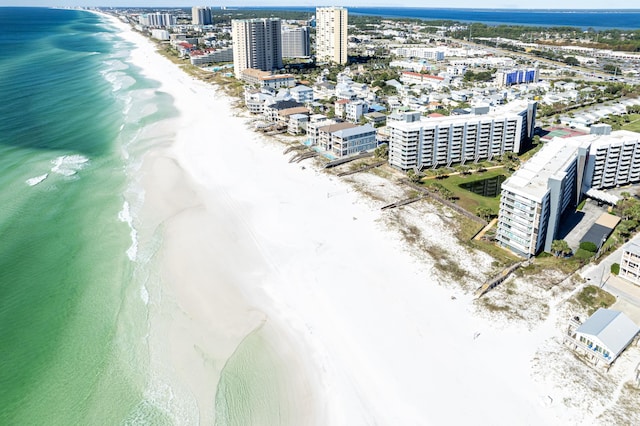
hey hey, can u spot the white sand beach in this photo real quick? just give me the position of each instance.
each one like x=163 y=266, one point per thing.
x=354 y=327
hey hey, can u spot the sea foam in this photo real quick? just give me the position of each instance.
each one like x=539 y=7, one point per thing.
x=69 y=165
x=125 y=216
x=36 y=180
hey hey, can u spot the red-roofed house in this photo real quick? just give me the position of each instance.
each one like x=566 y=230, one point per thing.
x=410 y=77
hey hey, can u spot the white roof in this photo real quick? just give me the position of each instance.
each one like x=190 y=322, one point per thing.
x=509 y=110
x=633 y=247
x=531 y=179
x=613 y=328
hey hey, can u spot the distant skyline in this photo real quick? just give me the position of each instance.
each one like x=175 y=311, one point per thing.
x=463 y=4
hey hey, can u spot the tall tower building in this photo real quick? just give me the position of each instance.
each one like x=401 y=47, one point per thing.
x=201 y=15
x=295 y=42
x=257 y=44
x=331 y=34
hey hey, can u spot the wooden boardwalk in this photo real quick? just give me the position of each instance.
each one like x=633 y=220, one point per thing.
x=402 y=202
x=501 y=277
x=344 y=160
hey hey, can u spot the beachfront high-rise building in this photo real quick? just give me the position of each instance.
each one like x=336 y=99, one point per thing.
x=557 y=177
x=257 y=44
x=201 y=15
x=157 y=19
x=534 y=198
x=295 y=42
x=443 y=141
x=331 y=34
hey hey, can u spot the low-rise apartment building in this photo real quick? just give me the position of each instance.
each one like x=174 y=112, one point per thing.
x=343 y=139
x=266 y=79
x=630 y=263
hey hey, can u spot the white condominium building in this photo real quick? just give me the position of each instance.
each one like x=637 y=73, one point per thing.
x=257 y=44
x=331 y=34
x=201 y=15
x=295 y=43
x=535 y=196
x=157 y=19
x=442 y=141
x=614 y=159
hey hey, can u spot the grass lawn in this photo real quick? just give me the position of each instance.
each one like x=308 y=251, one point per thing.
x=467 y=199
x=618 y=122
x=634 y=125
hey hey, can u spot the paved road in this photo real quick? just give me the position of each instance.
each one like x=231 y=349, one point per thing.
x=628 y=294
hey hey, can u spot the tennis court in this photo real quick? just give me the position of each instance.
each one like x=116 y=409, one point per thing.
x=561 y=132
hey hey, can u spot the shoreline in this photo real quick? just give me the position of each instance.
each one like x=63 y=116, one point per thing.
x=365 y=328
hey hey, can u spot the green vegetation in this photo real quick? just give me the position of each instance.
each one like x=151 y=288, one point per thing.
x=560 y=248
x=466 y=199
x=479 y=76
x=614 y=39
x=629 y=122
x=545 y=261
x=615 y=269
x=588 y=246
x=592 y=298
x=583 y=255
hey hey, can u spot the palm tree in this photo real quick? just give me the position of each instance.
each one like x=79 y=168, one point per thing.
x=560 y=247
x=484 y=212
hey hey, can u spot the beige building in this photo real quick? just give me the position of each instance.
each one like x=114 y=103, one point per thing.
x=331 y=34
x=257 y=44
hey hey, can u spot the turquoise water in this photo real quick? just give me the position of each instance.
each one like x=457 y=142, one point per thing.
x=73 y=315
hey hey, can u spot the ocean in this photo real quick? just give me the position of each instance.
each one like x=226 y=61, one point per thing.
x=73 y=301
x=578 y=18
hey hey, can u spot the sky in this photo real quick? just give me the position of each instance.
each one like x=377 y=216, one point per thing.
x=485 y=4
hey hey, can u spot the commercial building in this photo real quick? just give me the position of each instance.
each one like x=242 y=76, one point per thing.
x=295 y=42
x=517 y=76
x=257 y=44
x=443 y=141
x=331 y=34
x=432 y=53
x=201 y=15
x=630 y=263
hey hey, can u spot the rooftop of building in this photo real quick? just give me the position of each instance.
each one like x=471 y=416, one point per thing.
x=511 y=109
x=532 y=178
x=633 y=247
x=613 y=328
x=300 y=88
x=264 y=75
x=336 y=127
x=293 y=111
x=354 y=131
x=417 y=74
